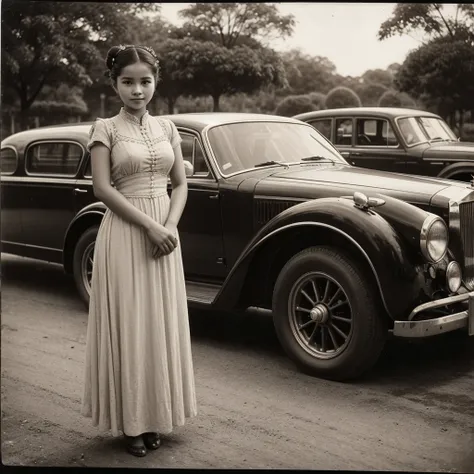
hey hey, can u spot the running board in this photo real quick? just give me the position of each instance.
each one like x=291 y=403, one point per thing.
x=202 y=293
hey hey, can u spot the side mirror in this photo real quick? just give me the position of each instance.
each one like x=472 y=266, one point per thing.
x=188 y=168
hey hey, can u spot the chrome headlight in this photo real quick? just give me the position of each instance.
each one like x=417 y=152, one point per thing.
x=434 y=238
x=453 y=276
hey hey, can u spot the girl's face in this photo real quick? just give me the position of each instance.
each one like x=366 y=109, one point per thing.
x=136 y=86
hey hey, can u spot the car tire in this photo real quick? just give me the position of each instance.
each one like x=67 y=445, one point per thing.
x=82 y=265
x=346 y=310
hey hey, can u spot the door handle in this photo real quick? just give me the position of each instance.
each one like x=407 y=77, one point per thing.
x=357 y=153
x=78 y=190
x=214 y=196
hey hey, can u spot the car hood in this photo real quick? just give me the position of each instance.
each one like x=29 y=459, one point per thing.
x=322 y=180
x=462 y=150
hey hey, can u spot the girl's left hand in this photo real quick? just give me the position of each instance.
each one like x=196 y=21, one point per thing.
x=157 y=253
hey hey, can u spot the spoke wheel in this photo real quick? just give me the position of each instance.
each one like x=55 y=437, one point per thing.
x=327 y=316
x=320 y=315
x=83 y=261
x=87 y=264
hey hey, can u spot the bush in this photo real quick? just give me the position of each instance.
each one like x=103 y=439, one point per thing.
x=390 y=99
x=50 y=107
x=341 y=97
x=317 y=99
x=294 y=104
x=370 y=94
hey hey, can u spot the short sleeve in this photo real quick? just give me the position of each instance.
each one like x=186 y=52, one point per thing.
x=175 y=137
x=99 y=134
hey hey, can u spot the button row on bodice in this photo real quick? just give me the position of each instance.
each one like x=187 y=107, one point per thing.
x=152 y=150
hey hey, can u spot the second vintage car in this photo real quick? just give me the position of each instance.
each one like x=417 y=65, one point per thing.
x=395 y=139
x=277 y=219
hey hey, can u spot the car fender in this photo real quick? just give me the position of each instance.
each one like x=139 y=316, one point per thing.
x=457 y=168
x=87 y=216
x=389 y=254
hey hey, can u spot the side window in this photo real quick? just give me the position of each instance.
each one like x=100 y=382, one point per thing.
x=8 y=161
x=375 y=132
x=193 y=153
x=187 y=147
x=323 y=126
x=53 y=158
x=200 y=165
x=88 y=169
x=343 y=132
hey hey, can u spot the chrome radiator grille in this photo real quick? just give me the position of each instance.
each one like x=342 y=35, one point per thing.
x=466 y=218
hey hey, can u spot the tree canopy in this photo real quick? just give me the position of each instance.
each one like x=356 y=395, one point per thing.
x=230 y=22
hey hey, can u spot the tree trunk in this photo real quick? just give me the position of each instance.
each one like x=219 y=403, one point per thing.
x=215 y=99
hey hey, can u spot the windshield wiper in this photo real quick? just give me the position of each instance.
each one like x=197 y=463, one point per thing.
x=316 y=158
x=439 y=139
x=271 y=162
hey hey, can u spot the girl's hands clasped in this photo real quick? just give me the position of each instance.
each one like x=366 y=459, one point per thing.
x=163 y=238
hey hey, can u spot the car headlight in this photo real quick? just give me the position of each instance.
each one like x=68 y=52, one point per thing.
x=453 y=276
x=434 y=238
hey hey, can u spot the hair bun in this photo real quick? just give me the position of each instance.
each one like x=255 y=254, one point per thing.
x=111 y=56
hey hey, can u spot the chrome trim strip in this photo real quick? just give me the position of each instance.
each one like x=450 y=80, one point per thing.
x=30 y=245
x=441 y=302
x=40 y=180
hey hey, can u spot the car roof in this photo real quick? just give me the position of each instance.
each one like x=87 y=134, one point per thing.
x=197 y=121
x=388 y=112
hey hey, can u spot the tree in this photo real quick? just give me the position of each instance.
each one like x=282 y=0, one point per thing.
x=342 y=97
x=441 y=73
x=53 y=43
x=378 y=76
x=205 y=68
x=230 y=22
x=294 y=104
x=430 y=18
x=307 y=73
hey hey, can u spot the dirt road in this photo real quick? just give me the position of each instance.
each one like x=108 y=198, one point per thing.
x=415 y=412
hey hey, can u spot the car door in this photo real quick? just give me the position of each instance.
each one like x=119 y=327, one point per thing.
x=48 y=202
x=11 y=190
x=200 y=227
x=376 y=145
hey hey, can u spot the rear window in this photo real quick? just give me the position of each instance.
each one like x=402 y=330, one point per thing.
x=8 y=160
x=54 y=158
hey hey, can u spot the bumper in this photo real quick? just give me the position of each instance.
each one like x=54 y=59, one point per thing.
x=432 y=327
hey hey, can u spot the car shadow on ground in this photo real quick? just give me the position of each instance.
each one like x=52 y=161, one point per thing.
x=402 y=366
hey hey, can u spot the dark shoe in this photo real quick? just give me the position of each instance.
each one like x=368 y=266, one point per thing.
x=152 y=440
x=135 y=446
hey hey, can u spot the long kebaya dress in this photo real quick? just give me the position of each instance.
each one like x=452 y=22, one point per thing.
x=139 y=369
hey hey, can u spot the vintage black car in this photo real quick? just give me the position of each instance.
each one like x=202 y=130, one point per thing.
x=395 y=139
x=275 y=219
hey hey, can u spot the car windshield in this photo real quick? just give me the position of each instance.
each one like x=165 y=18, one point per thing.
x=422 y=129
x=436 y=129
x=242 y=146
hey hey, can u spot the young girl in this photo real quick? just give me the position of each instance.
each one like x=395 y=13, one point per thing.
x=139 y=371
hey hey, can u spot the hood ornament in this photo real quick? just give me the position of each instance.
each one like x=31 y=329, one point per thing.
x=365 y=203
x=472 y=181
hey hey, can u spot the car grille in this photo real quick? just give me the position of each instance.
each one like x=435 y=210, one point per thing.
x=466 y=217
x=266 y=209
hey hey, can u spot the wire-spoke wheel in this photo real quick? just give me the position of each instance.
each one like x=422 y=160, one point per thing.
x=326 y=314
x=320 y=315
x=83 y=261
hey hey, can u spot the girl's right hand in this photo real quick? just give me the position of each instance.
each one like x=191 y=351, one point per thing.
x=164 y=241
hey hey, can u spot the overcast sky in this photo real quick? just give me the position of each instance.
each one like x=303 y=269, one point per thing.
x=346 y=33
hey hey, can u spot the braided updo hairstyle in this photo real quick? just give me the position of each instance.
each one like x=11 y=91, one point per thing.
x=119 y=57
